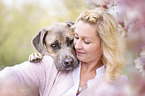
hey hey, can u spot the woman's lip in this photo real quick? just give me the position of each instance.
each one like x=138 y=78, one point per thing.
x=79 y=52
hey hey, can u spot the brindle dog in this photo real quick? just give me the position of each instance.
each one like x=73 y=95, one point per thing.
x=56 y=40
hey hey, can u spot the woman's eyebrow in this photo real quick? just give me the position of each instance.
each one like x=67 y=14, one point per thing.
x=83 y=36
x=87 y=37
x=75 y=33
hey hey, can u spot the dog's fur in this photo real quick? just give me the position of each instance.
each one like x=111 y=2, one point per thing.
x=56 y=40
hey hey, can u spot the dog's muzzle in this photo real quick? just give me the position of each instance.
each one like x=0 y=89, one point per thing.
x=68 y=61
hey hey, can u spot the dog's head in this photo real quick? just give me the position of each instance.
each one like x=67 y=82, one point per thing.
x=57 y=41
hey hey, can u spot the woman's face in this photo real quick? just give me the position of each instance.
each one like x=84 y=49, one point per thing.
x=87 y=43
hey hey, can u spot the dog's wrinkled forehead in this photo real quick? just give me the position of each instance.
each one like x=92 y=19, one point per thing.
x=60 y=29
x=59 y=32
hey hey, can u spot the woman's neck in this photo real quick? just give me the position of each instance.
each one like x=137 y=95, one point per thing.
x=88 y=72
x=89 y=67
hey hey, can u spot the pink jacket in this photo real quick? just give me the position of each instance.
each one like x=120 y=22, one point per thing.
x=44 y=77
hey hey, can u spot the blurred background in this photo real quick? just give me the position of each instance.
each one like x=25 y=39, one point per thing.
x=20 y=20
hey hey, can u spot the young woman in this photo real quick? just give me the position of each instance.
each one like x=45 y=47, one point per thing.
x=99 y=49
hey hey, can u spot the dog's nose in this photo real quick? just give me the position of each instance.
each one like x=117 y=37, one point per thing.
x=68 y=61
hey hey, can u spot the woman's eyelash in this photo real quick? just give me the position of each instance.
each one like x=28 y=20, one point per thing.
x=87 y=42
x=76 y=37
x=84 y=40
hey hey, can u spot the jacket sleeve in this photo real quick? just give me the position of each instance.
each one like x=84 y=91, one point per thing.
x=27 y=76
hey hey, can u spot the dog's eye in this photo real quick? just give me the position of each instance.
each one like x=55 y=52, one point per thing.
x=71 y=41
x=55 y=45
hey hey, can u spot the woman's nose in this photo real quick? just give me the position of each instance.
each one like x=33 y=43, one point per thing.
x=78 y=45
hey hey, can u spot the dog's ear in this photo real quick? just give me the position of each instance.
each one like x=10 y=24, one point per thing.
x=70 y=23
x=39 y=41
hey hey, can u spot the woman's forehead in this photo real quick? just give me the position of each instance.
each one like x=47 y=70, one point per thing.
x=85 y=29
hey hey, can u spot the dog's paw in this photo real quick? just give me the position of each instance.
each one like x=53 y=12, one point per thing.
x=35 y=57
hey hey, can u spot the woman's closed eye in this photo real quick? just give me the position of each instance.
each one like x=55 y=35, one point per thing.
x=76 y=37
x=86 y=42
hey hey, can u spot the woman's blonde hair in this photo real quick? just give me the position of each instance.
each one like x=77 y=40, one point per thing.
x=111 y=41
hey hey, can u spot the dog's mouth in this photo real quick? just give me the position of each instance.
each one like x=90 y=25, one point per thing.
x=69 y=68
x=62 y=66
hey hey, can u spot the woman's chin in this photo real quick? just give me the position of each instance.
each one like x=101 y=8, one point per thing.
x=81 y=59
